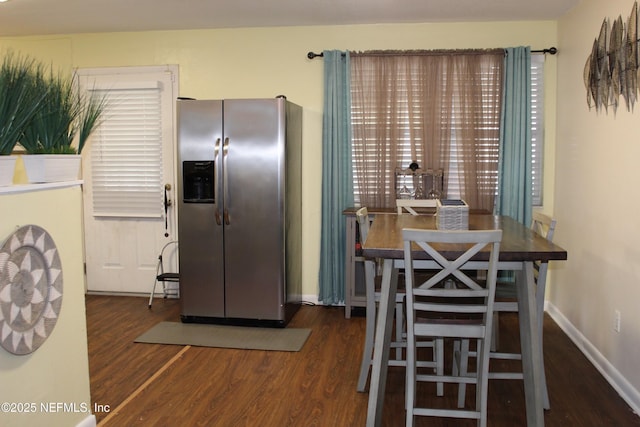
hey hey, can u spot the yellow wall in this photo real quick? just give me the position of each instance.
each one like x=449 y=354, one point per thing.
x=57 y=372
x=265 y=62
x=591 y=171
x=597 y=207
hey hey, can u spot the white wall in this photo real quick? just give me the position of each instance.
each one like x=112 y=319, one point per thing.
x=597 y=205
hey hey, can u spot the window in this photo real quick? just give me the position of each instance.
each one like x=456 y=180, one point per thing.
x=537 y=126
x=469 y=122
x=126 y=156
x=440 y=109
x=126 y=153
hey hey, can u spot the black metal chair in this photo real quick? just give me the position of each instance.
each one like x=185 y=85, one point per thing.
x=165 y=277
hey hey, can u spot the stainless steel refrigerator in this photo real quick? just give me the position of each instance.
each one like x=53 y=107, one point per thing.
x=240 y=210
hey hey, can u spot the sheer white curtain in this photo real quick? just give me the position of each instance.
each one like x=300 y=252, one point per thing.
x=440 y=108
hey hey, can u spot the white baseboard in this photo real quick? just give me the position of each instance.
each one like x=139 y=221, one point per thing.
x=310 y=299
x=120 y=294
x=90 y=421
x=610 y=373
x=313 y=299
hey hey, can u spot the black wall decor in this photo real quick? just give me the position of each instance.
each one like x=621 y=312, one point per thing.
x=612 y=67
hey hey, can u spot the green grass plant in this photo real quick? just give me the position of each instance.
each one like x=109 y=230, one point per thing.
x=20 y=99
x=90 y=116
x=54 y=126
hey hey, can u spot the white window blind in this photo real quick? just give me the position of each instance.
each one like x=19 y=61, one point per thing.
x=537 y=126
x=126 y=158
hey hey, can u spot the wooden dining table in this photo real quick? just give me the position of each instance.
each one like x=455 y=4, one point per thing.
x=519 y=249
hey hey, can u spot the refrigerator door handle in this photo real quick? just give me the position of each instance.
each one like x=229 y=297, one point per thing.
x=225 y=152
x=216 y=196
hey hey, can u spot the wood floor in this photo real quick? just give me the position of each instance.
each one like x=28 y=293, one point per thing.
x=156 y=385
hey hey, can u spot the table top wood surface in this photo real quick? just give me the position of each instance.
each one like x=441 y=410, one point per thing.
x=519 y=243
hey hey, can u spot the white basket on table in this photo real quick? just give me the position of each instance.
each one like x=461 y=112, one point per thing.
x=452 y=214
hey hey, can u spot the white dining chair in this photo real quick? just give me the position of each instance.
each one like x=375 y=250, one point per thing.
x=409 y=205
x=506 y=302
x=372 y=298
x=435 y=311
x=372 y=284
x=165 y=277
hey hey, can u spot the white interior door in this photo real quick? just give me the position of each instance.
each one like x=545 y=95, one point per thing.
x=128 y=172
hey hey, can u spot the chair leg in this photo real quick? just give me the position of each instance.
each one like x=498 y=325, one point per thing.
x=371 y=314
x=438 y=352
x=365 y=364
x=399 y=328
x=463 y=358
x=410 y=386
x=164 y=290
x=540 y=292
x=155 y=283
x=482 y=374
x=546 y=404
x=495 y=333
x=455 y=368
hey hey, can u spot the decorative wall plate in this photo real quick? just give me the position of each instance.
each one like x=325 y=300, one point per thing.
x=30 y=289
x=613 y=67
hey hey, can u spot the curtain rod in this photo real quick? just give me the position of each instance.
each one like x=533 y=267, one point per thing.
x=551 y=51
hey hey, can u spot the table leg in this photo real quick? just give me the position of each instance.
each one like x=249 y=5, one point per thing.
x=530 y=346
x=540 y=291
x=381 y=345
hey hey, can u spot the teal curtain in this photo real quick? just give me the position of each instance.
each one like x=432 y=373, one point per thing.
x=337 y=181
x=514 y=166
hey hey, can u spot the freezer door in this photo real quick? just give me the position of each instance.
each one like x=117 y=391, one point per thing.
x=199 y=209
x=254 y=234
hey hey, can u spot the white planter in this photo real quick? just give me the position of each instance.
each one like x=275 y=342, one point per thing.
x=51 y=167
x=7 y=168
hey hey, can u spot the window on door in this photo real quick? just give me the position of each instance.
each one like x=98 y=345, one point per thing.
x=126 y=162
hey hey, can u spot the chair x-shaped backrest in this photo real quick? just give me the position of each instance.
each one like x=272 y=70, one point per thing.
x=543 y=225
x=409 y=204
x=425 y=239
x=362 y=216
x=469 y=243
